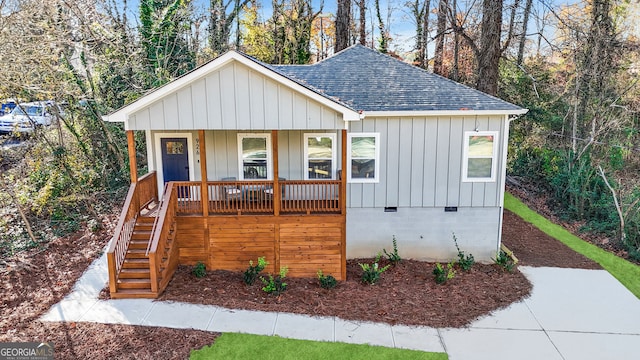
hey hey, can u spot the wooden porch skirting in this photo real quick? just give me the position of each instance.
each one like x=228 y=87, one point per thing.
x=304 y=244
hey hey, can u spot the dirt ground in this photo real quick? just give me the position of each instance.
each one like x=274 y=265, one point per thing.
x=406 y=294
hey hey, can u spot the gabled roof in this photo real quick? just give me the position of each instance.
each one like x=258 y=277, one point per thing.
x=122 y=114
x=376 y=83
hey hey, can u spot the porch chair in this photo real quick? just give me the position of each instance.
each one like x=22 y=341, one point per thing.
x=231 y=192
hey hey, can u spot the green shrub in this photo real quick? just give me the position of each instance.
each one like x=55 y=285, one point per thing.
x=465 y=261
x=275 y=285
x=326 y=281
x=251 y=274
x=394 y=257
x=199 y=270
x=504 y=260
x=371 y=272
x=442 y=275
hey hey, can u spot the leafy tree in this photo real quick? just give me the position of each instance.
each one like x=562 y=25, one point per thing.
x=164 y=27
x=256 y=36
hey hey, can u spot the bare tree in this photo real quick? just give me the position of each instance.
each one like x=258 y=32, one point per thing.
x=523 y=34
x=343 y=20
x=362 y=6
x=443 y=8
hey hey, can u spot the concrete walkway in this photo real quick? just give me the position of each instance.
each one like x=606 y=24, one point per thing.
x=571 y=314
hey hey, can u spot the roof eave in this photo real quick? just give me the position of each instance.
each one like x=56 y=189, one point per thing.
x=406 y=113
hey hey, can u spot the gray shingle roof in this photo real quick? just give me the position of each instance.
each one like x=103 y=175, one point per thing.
x=368 y=80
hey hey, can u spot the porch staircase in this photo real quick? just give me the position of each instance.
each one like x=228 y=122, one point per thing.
x=134 y=279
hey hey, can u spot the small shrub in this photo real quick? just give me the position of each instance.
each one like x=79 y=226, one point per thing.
x=394 y=257
x=465 y=261
x=251 y=274
x=326 y=281
x=199 y=270
x=442 y=275
x=504 y=260
x=371 y=272
x=275 y=285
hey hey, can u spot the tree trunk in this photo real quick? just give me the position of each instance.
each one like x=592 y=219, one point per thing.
x=343 y=15
x=438 y=60
x=363 y=22
x=382 y=44
x=523 y=35
x=489 y=56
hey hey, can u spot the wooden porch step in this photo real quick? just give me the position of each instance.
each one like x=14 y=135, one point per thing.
x=137 y=253
x=139 y=234
x=139 y=244
x=134 y=284
x=143 y=227
x=134 y=273
x=133 y=263
x=133 y=294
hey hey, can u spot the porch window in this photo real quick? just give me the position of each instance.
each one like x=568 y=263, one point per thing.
x=480 y=156
x=320 y=156
x=255 y=156
x=363 y=151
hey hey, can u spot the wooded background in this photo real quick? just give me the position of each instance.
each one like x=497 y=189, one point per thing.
x=574 y=66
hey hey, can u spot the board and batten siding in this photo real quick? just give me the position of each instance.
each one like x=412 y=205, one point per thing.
x=222 y=153
x=421 y=163
x=235 y=97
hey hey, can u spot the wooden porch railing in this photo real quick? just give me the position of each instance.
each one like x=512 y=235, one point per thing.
x=163 y=250
x=310 y=196
x=189 y=197
x=258 y=197
x=140 y=194
x=237 y=197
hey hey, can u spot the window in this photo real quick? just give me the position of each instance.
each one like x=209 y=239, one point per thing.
x=175 y=147
x=255 y=156
x=480 y=152
x=320 y=156
x=363 y=152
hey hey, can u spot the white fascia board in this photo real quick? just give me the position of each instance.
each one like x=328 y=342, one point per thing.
x=443 y=113
x=123 y=113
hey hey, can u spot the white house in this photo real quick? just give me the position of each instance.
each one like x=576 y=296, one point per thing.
x=309 y=165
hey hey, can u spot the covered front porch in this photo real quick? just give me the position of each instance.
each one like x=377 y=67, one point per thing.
x=226 y=222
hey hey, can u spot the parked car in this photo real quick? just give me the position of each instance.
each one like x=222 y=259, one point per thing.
x=7 y=106
x=24 y=117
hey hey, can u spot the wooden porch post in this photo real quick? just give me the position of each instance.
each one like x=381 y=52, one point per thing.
x=343 y=204
x=203 y=174
x=276 y=173
x=131 y=147
x=343 y=177
x=276 y=199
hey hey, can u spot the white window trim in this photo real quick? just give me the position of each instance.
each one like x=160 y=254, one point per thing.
x=333 y=153
x=494 y=156
x=376 y=178
x=266 y=136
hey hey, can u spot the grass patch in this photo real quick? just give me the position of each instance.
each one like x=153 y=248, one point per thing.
x=626 y=272
x=244 y=346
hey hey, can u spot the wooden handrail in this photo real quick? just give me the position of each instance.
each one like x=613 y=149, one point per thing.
x=162 y=250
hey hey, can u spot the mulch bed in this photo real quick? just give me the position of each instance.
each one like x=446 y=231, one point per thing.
x=532 y=247
x=407 y=294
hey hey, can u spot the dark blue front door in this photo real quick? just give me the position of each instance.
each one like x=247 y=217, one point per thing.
x=175 y=159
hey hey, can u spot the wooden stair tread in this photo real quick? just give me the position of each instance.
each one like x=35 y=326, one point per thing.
x=134 y=293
